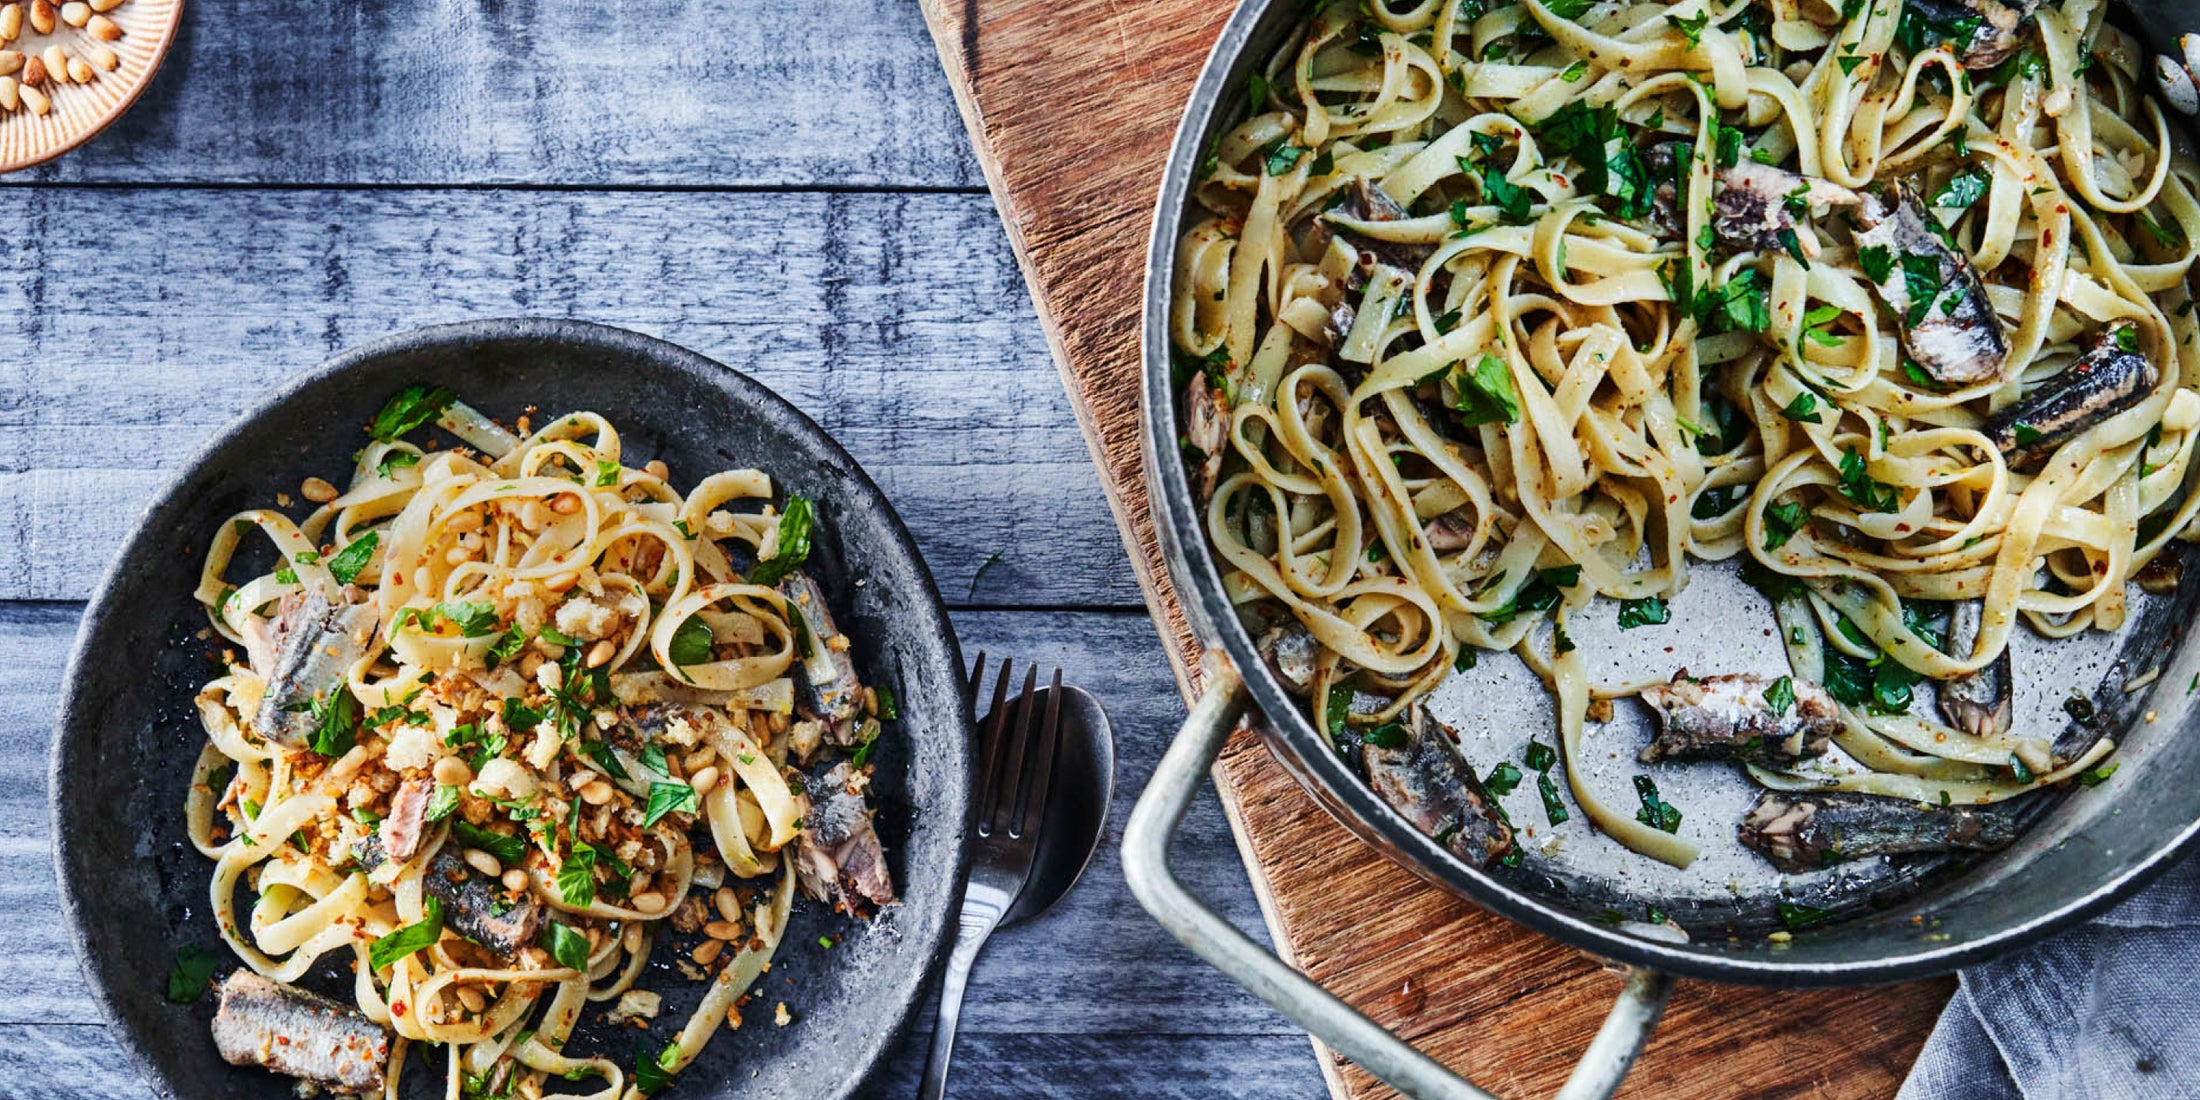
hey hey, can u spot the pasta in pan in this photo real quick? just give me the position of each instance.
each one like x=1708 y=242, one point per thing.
x=1497 y=308
x=503 y=714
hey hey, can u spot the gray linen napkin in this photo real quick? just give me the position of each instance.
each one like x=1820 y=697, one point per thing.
x=2105 y=1011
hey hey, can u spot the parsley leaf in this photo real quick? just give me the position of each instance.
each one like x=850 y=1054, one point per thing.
x=566 y=944
x=347 y=563
x=1877 y=261
x=409 y=409
x=1691 y=29
x=794 y=542
x=1781 y=695
x=1503 y=778
x=335 y=722
x=668 y=798
x=1647 y=611
x=1804 y=409
x=442 y=802
x=1484 y=394
x=413 y=937
x=187 y=979
x=1963 y=189
x=1803 y=916
x=1781 y=523
x=1655 y=812
x=510 y=850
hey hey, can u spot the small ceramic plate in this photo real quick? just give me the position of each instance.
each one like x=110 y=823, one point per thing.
x=118 y=49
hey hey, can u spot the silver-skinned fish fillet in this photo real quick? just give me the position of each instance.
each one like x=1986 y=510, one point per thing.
x=265 y=1023
x=310 y=647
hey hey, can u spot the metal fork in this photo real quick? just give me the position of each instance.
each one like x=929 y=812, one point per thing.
x=1015 y=764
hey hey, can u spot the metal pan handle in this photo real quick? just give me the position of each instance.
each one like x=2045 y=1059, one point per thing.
x=1343 y=1029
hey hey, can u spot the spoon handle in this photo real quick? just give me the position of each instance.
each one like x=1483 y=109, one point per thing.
x=977 y=922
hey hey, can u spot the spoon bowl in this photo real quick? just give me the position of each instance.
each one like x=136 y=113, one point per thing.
x=1077 y=812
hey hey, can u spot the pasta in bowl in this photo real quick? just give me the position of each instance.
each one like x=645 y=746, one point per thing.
x=486 y=829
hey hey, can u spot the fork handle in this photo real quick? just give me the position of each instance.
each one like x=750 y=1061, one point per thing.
x=977 y=922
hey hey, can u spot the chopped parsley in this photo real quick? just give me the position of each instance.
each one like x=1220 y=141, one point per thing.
x=793 y=542
x=1781 y=523
x=188 y=978
x=1797 y=916
x=1691 y=29
x=567 y=944
x=669 y=798
x=1781 y=695
x=1655 y=812
x=413 y=937
x=408 y=409
x=691 y=641
x=1503 y=778
x=1804 y=409
x=1647 y=611
x=349 y=561
x=1484 y=394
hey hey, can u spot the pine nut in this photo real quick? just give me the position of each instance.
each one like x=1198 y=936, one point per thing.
x=76 y=13
x=722 y=930
x=11 y=61
x=452 y=772
x=484 y=862
x=104 y=57
x=531 y=515
x=103 y=28
x=631 y=938
x=566 y=504
x=57 y=64
x=597 y=793
x=515 y=880
x=36 y=100
x=581 y=777
x=707 y=951
x=657 y=469
x=34 y=72
x=529 y=663
x=317 y=490
x=562 y=581
x=728 y=903
x=600 y=654
x=650 y=902
x=80 y=71
x=704 y=781
x=105 y=5
x=42 y=16
x=701 y=756
x=11 y=22
x=472 y=999
x=8 y=97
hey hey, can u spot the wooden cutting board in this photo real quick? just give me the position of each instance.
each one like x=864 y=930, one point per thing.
x=1072 y=104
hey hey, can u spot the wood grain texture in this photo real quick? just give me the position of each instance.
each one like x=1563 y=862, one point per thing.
x=839 y=93
x=898 y=321
x=1093 y=987
x=1509 y=1008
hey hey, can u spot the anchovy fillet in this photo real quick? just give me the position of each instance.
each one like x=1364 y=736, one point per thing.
x=311 y=647
x=1978 y=703
x=1948 y=327
x=1417 y=769
x=836 y=701
x=842 y=860
x=1997 y=28
x=1731 y=718
x=1754 y=207
x=474 y=905
x=299 y=1034
x=1800 y=832
x=2104 y=381
x=1366 y=202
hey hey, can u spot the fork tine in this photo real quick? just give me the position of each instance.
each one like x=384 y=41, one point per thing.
x=989 y=785
x=1032 y=797
x=977 y=679
x=1010 y=778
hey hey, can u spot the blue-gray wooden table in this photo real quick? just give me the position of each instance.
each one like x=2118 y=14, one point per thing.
x=783 y=187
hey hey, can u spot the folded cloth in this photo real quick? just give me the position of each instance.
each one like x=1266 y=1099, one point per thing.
x=2104 y=1011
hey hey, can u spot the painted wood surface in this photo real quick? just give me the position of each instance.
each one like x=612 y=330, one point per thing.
x=1506 y=1006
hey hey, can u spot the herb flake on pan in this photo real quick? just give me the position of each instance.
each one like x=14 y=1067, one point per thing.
x=1798 y=916
x=792 y=542
x=653 y=1069
x=188 y=978
x=1647 y=611
x=1553 y=809
x=413 y=937
x=1503 y=779
x=1655 y=812
x=409 y=408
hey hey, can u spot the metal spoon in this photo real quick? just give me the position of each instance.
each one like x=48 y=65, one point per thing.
x=1071 y=822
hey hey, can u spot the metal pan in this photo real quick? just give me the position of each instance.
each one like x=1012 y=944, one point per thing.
x=133 y=890
x=1899 y=920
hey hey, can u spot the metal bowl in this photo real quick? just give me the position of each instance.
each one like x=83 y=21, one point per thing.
x=134 y=890
x=2084 y=852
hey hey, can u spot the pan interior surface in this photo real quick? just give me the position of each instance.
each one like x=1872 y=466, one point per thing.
x=135 y=891
x=1884 y=918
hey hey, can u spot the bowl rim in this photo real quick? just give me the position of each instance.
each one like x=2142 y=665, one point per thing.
x=458 y=335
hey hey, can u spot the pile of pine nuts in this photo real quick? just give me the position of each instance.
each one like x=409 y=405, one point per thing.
x=27 y=77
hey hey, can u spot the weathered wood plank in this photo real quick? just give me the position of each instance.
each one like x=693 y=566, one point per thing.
x=1097 y=964
x=898 y=321
x=650 y=92
x=82 y=1062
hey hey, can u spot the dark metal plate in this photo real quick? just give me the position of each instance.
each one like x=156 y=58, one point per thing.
x=134 y=890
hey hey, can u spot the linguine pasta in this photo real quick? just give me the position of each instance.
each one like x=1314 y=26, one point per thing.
x=508 y=712
x=1497 y=308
